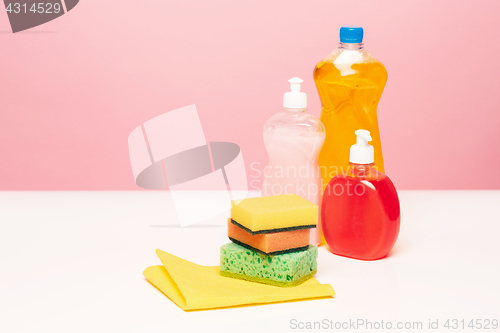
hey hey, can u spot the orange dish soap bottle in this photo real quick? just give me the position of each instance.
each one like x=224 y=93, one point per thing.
x=350 y=83
x=360 y=213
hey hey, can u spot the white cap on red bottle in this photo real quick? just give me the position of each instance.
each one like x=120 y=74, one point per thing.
x=362 y=152
x=295 y=99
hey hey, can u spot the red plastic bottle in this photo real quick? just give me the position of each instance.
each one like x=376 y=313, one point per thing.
x=360 y=212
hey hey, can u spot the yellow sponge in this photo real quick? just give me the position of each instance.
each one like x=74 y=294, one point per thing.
x=274 y=213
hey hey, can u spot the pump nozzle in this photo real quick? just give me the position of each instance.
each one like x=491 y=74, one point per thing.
x=295 y=99
x=363 y=136
x=295 y=83
x=362 y=152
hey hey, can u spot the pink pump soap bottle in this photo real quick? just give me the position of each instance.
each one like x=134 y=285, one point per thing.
x=293 y=141
x=360 y=212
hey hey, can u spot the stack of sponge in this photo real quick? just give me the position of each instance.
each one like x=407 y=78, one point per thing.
x=270 y=240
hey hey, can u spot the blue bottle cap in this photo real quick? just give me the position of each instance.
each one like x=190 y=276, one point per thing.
x=351 y=34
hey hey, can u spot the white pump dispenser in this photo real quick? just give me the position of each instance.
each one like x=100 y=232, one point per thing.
x=295 y=99
x=362 y=152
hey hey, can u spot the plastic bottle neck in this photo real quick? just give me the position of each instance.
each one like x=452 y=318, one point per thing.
x=363 y=171
x=351 y=46
x=294 y=112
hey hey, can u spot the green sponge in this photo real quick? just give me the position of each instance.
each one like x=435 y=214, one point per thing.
x=284 y=270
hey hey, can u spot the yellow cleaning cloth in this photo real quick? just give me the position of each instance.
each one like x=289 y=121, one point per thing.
x=195 y=287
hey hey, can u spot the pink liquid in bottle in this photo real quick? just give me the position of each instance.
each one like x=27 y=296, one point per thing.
x=293 y=141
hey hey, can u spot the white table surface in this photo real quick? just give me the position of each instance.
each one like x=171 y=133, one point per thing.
x=73 y=262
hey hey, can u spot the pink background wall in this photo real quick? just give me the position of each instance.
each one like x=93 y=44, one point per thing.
x=73 y=89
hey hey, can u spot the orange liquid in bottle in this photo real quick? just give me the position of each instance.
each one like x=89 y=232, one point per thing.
x=350 y=83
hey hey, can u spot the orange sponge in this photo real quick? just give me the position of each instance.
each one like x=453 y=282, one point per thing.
x=270 y=243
